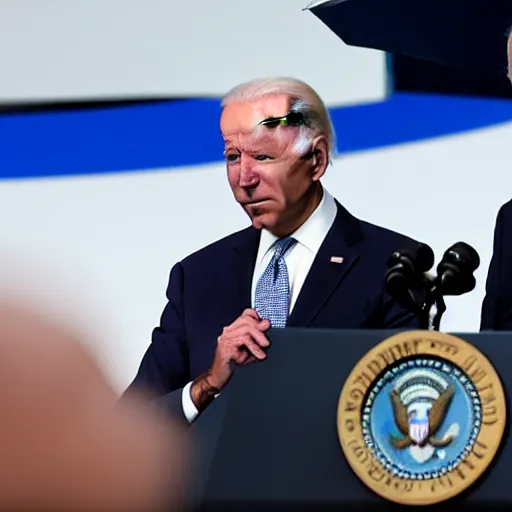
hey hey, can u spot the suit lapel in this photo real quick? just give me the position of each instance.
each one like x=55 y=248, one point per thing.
x=325 y=276
x=246 y=250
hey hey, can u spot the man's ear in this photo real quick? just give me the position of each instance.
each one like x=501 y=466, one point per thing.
x=320 y=157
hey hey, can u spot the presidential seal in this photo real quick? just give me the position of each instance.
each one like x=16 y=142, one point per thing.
x=421 y=417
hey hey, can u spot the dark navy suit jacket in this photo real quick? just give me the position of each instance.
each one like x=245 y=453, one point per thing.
x=209 y=289
x=497 y=304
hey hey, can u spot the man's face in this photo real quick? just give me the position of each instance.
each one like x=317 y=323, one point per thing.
x=268 y=178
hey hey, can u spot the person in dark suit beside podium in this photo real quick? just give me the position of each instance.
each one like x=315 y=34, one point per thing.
x=305 y=261
x=497 y=303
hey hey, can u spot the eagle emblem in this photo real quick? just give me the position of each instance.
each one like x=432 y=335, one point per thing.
x=420 y=406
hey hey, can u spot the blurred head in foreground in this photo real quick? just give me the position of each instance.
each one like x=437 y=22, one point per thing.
x=66 y=443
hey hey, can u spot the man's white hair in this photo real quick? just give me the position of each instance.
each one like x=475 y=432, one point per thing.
x=303 y=98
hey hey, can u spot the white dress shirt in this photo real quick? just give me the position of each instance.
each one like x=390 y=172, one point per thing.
x=298 y=258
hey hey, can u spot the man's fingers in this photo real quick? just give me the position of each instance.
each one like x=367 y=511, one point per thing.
x=252 y=313
x=245 y=358
x=242 y=356
x=258 y=337
x=254 y=349
x=263 y=324
x=244 y=347
x=244 y=332
x=239 y=322
x=244 y=340
x=239 y=335
x=250 y=318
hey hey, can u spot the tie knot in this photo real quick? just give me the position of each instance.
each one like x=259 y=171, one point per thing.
x=282 y=245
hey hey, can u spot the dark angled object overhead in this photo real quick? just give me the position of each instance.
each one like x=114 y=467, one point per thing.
x=466 y=34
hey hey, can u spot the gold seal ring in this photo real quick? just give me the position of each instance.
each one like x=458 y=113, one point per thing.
x=421 y=417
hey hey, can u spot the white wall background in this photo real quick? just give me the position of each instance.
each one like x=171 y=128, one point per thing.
x=67 y=49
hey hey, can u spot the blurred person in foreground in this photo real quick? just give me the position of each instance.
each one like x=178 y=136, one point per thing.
x=65 y=441
x=304 y=262
x=497 y=303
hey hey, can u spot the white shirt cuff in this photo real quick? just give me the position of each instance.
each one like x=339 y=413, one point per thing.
x=189 y=409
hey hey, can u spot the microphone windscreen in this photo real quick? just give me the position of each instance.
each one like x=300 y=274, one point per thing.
x=466 y=254
x=424 y=258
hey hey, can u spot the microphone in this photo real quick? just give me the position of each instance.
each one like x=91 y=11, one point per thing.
x=406 y=274
x=455 y=270
x=406 y=269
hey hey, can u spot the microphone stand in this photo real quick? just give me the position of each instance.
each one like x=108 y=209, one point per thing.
x=437 y=309
x=433 y=308
x=429 y=308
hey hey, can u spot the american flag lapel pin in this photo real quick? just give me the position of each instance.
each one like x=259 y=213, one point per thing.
x=336 y=259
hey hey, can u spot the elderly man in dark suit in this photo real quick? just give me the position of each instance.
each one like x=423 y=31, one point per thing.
x=304 y=262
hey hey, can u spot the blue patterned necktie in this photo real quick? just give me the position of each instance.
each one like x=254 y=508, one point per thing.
x=272 y=297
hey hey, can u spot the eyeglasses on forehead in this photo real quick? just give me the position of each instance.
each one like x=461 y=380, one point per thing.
x=293 y=118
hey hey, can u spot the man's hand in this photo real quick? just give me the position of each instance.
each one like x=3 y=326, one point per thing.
x=240 y=343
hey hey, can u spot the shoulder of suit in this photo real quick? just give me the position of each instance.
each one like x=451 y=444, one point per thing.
x=503 y=217
x=219 y=246
x=383 y=240
x=506 y=209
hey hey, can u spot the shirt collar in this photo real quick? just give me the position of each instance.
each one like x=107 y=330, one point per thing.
x=312 y=233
